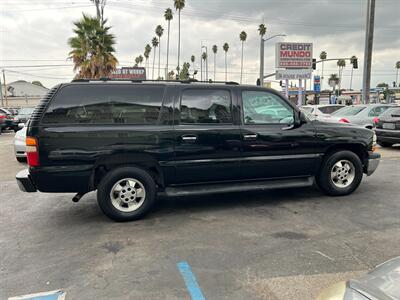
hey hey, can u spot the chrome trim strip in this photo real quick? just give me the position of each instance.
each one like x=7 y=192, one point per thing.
x=250 y=158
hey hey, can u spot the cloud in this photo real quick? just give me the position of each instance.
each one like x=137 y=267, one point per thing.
x=39 y=29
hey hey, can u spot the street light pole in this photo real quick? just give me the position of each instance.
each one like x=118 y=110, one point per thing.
x=262 y=42
x=369 y=38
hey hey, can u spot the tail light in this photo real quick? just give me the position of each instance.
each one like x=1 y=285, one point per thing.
x=344 y=120
x=2 y=116
x=376 y=120
x=32 y=152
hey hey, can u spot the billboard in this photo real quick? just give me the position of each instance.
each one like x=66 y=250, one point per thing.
x=293 y=74
x=133 y=73
x=294 y=55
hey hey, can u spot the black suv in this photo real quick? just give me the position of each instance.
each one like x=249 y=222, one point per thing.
x=132 y=140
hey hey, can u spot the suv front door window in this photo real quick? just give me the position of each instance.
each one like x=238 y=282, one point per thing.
x=272 y=146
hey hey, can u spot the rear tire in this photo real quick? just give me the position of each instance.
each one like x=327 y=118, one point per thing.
x=126 y=194
x=385 y=144
x=340 y=174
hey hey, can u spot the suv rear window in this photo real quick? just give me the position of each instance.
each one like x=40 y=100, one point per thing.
x=105 y=104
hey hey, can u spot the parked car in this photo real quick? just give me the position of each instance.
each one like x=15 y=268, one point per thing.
x=6 y=116
x=323 y=112
x=363 y=114
x=22 y=116
x=382 y=283
x=20 y=145
x=387 y=127
x=131 y=140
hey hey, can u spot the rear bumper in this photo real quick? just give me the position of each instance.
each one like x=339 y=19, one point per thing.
x=24 y=181
x=388 y=135
x=372 y=163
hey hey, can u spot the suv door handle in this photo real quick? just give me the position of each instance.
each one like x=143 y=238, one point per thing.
x=189 y=138
x=250 y=136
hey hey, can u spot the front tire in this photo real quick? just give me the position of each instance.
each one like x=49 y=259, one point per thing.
x=385 y=144
x=126 y=194
x=340 y=173
x=21 y=159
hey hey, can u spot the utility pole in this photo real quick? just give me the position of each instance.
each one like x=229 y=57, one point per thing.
x=261 y=62
x=5 y=88
x=1 y=94
x=369 y=38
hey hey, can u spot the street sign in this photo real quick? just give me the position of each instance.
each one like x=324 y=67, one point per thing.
x=134 y=73
x=317 y=84
x=294 y=55
x=293 y=74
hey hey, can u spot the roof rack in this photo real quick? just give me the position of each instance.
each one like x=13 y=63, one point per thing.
x=104 y=79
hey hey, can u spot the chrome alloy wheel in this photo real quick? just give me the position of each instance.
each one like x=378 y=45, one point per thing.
x=343 y=173
x=128 y=194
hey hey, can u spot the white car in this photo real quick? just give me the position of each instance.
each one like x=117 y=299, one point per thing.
x=20 y=145
x=321 y=112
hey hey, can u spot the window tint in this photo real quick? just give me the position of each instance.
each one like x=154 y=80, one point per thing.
x=349 y=111
x=106 y=104
x=329 y=109
x=206 y=106
x=265 y=108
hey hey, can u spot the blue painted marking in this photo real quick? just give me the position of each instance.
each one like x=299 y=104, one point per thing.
x=190 y=281
x=55 y=295
x=48 y=297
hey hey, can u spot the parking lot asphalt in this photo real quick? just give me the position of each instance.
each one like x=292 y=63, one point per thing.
x=285 y=244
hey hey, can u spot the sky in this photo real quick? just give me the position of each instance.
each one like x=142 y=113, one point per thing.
x=35 y=33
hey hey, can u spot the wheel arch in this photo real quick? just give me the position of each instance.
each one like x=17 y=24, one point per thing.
x=357 y=148
x=140 y=160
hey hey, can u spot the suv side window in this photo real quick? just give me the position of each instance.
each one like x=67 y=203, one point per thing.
x=200 y=106
x=105 y=104
x=260 y=107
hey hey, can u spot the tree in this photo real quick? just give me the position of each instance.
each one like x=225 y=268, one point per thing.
x=168 y=15
x=159 y=33
x=100 y=4
x=140 y=59
x=92 y=48
x=262 y=30
x=204 y=57
x=353 y=59
x=226 y=48
x=179 y=5
x=322 y=56
x=154 y=42
x=136 y=61
x=242 y=37
x=215 y=50
x=341 y=64
x=147 y=50
x=397 y=66
x=36 y=82
x=193 y=59
x=184 y=73
x=333 y=81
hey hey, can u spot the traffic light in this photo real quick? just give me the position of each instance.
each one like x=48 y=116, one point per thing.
x=314 y=64
x=258 y=82
x=355 y=63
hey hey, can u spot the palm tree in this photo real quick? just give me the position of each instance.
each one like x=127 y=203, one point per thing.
x=154 y=42
x=243 y=37
x=397 y=66
x=215 y=50
x=341 y=64
x=322 y=56
x=179 y=5
x=168 y=15
x=262 y=30
x=333 y=81
x=140 y=59
x=92 y=48
x=137 y=61
x=204 y=57
x=159 y=33
x=352 y=61
x=226 y=48
x=193 y=59
x=147 y=50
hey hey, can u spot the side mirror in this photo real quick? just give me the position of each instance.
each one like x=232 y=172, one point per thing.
x=21 y=125
x=299 y=118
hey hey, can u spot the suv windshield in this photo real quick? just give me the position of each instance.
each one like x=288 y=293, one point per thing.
x=349 y=111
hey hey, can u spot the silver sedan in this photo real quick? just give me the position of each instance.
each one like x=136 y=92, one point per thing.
x=20 y=145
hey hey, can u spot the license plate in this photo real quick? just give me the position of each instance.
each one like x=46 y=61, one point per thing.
x=388 y=125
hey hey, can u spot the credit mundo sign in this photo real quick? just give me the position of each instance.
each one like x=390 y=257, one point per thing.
x=294 y=55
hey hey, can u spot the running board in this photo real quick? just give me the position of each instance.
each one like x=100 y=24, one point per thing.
x=203 y=189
